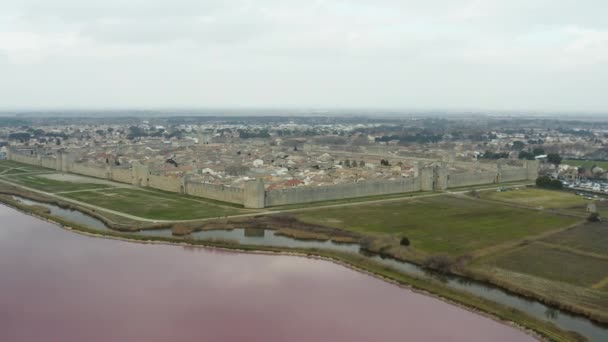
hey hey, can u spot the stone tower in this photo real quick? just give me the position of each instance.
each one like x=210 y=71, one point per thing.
x=253 y=194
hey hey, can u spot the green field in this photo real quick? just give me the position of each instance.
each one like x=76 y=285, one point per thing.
x=153 y=204
x=6 y=165
x=39 y=182
x=587 y=164
x=591 y=238
x=552 y=263
x=441 y=224
x=533 y=197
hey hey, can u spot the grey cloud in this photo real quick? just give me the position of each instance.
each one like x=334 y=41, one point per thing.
x=380 y=53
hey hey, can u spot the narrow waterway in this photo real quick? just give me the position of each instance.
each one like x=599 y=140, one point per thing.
x=565 y=320
x=61 y=286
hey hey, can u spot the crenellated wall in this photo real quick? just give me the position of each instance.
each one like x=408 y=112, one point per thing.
x=435 y=177
x=121 y=175
x=215 y=192
x=340 y=191
x=456 y=180
x=88 y=170
x=511 y=175
x=24 y=158
x=172 y=184
x=48 y=162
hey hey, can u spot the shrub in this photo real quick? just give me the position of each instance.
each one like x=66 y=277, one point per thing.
x=180 y=229
x=548 y=183
x=405 y=241
x=440 y=262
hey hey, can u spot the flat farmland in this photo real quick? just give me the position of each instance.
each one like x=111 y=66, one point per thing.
x=153 y=204
x=441 y=224
x=592 y=238
x=552 y=263
x=533 y=197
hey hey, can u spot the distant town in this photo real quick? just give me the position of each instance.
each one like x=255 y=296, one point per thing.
x=288 y=152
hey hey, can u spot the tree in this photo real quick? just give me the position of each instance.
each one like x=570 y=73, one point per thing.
x=526 y=155
x=554 y=158
x=405 y=241
x=22 y=137
x=362 y=164
x=518 y=145
x=538 y=151
x=347 y=163
x=548 y=183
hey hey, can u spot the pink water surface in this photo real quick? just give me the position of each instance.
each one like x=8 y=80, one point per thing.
x=60 y=286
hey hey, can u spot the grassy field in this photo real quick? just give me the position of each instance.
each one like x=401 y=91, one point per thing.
x=589 y=238
x=587 y=164
x=153 y=204
x=554 y=264
x=39 y=182
x=533 y=197
x=6 y=165
x=441 y=224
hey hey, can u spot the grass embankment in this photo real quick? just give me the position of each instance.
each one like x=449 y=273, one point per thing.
x=284 y=225
x=155 y=205
x=492 y=186
x=360 y=263
x=350 y=201
x=112 y=221
x=440 y=224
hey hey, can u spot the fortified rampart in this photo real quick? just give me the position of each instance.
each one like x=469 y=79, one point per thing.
x=435 y=177
x=340 y=191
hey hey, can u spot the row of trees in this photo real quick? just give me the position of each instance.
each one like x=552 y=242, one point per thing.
x=494 y=155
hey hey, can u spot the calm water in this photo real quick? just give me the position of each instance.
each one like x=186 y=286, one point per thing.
x=56 y=285
x=565 y=320
x=70 y=215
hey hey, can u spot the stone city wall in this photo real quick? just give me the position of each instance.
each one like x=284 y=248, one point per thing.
x=340 y=191
x=456 y=180
x=215 y=192
x=88 y=170
x=511 y=175
x=48 y=162
x=25 y=158
x=253 y=195
x=172 y=184
x=121 y=175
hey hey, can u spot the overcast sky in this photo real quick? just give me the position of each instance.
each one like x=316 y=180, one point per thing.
x=431 y=54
